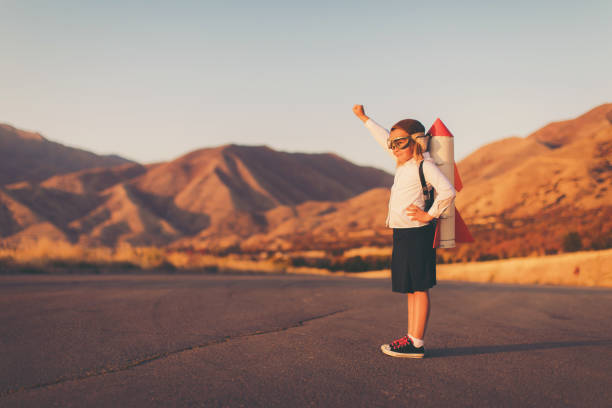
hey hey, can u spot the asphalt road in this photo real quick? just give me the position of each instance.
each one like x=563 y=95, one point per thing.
x=287 y=341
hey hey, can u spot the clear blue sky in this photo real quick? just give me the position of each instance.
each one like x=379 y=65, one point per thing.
x=152 y=80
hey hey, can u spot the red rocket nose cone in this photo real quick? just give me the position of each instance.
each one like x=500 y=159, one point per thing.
x=439 y=129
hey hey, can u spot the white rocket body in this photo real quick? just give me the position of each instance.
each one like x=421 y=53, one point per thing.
x=442 y=151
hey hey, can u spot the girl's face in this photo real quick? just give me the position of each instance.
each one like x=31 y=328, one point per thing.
x=402 y=154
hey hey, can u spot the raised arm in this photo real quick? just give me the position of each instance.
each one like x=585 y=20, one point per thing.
x=380 y=133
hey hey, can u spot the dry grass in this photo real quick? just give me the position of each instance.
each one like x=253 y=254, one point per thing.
x=45 y=253
x=368 y=251
x=592 y=268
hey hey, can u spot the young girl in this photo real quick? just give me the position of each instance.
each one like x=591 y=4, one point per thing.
x=413 y=260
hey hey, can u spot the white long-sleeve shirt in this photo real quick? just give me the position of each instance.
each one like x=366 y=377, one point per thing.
x=407 y=190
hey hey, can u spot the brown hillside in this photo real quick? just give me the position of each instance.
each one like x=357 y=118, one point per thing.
x=234 y=186
x=27 y=156
x=257 y=178
x=521 y=196
x=93 y=180
x=123 y=217
x=563 y=165
x=218 y=194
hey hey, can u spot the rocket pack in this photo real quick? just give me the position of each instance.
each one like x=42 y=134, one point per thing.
x=451 y=228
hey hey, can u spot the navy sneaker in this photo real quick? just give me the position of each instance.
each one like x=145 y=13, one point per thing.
x=403 y=348
x=395 y=343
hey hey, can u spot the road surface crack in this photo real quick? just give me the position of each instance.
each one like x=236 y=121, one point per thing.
x=157 y=356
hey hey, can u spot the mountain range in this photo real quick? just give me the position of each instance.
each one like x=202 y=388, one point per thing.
x=215 y=196
x=28 y=156
x=521 y=196
x=524 y=195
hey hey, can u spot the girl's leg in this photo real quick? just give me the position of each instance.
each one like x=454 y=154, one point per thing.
x=421 y=314
x=428 y=312
x=411 y=315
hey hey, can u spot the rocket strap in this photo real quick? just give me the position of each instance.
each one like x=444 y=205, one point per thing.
x=428 y=193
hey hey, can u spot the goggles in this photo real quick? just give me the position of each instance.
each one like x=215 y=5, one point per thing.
x=399 y=143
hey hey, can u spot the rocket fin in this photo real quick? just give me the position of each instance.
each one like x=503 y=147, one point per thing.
x=458 y=182
x=436 y=241
x=462 y=234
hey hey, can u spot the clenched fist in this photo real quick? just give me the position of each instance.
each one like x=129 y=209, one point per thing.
x=359 y=112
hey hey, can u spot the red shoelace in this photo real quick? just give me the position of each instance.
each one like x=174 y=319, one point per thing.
x=400 y=342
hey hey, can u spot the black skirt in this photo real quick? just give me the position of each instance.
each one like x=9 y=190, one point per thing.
x=413 y=261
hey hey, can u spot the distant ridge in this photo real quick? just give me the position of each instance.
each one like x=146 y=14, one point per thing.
x=28 y=156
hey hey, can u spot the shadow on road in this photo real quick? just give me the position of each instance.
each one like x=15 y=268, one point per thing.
x=507 y=348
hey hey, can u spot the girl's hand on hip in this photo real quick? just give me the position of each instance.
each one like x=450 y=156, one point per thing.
x=416 y=214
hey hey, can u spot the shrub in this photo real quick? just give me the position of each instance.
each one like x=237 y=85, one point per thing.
x=572 y=242
x=299 y=261
x=32 y=270
x=487 y=257
x=381 y=263
x=323 y=263
x=602 y=242
x=355 y=264
x=211 y=269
